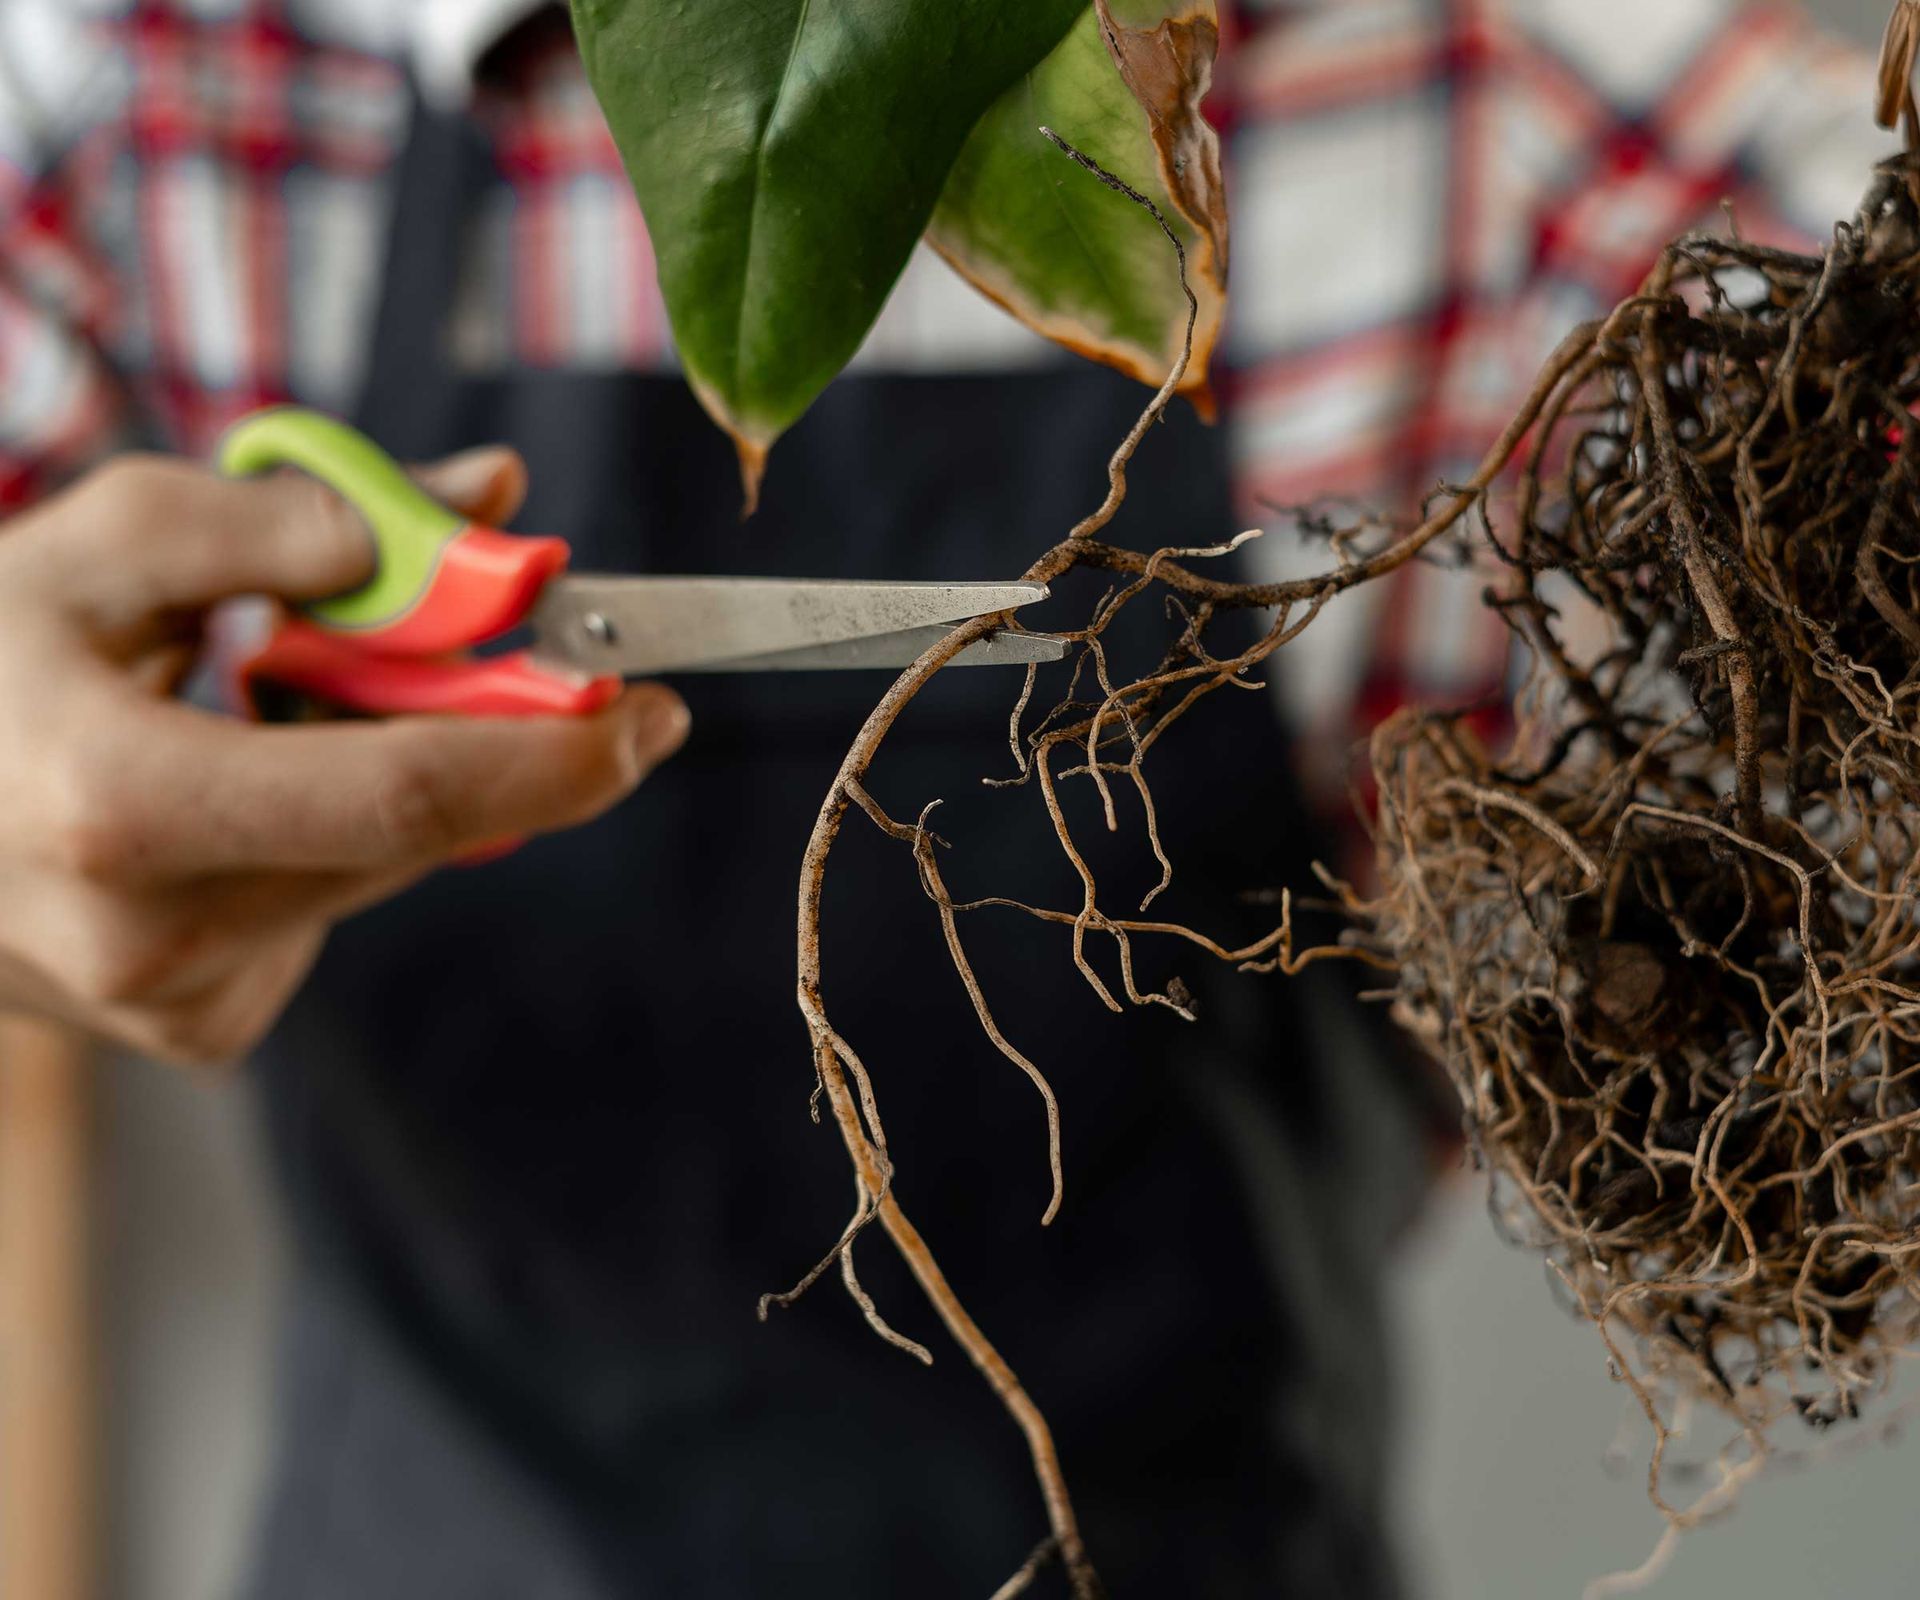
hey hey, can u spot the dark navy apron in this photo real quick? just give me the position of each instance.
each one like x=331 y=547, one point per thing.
x=543 y=1124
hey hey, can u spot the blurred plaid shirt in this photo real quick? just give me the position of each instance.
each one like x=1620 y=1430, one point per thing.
x=1426 y=194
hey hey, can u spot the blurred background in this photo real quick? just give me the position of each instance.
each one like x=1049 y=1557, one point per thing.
x=1521 y=1475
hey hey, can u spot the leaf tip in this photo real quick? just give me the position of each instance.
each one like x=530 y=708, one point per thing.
x=753 y=470
x=751 y=440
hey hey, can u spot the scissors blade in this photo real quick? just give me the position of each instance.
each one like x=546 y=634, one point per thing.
x=637 y=626
x=1002 y=648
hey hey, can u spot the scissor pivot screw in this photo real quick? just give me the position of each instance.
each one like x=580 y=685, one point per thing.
x=599 y=628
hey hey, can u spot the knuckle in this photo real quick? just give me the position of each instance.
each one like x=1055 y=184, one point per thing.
x=315 y=514
x=92 y=832
x=128 y=474
x=121 y=504
x=116 y=967
x=305 y=502
x=138 y=481
x=120 y=961
x=220 y=1021
x=411 y=810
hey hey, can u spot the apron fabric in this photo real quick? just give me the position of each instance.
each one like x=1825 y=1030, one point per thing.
x=543 y=1127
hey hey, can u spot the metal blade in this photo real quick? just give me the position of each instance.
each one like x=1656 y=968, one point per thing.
x=636 y=626
x=896 y=650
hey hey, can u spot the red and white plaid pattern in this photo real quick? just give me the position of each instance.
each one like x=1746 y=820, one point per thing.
x=1428 y=194
x=193 y=200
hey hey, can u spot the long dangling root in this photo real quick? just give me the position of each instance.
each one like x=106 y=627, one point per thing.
x=1666 y=945
x=1099 y=731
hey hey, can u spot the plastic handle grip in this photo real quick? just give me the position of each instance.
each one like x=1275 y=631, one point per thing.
x=398 y=645
x=410 y=529
x=332 y=669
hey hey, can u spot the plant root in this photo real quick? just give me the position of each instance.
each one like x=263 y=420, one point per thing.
x=1667 y=944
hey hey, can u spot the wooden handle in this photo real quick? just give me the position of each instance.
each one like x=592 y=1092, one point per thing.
x=49 y=1535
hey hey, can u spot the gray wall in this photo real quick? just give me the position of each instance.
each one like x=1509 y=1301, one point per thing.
x=1525 y=1471
x=190 y=1268
x=1862 y=18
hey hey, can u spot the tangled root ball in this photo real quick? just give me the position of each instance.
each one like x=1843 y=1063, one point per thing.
x=1666 y=943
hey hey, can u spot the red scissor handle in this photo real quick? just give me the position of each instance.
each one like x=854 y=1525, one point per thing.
x=327 y=667
x=441 y=585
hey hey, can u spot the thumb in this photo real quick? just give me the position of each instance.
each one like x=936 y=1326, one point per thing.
x=156 y=533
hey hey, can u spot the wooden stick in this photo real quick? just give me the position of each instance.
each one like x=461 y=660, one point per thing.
x=49 y=1533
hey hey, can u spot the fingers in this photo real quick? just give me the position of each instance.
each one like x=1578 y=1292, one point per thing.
x=190 y=793
x=179 y=954
x=148 y=533
x=218 y=1027
x=488 y=484
x=168 y=875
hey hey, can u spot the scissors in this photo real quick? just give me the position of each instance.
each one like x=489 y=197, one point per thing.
x=443 y=584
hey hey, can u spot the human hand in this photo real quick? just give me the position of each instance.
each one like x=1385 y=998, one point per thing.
x=167 y=875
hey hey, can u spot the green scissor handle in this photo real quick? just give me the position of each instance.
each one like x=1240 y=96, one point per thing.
x=411 y=530
x=440 y=583
x=399 y=643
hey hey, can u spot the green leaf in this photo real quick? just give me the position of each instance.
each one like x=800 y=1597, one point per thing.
x=1075 y=260
x=787 y=155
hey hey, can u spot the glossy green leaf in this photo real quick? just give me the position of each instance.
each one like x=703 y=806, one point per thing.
x=1079 y=262
x=787 y=155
